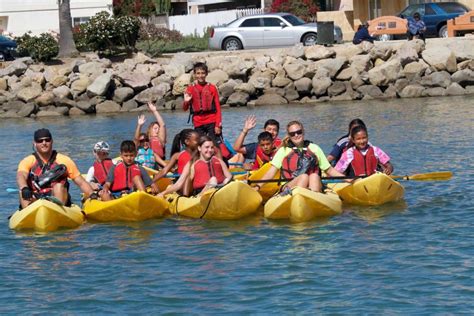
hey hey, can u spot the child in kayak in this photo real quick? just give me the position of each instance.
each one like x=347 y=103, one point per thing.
x=343 y=143
x=146 y=156
x=204 y=171
x=363 y=158
x=97 y=174
x=187 y=139
x=300 y=162
x=265 y=152
x=126 y=176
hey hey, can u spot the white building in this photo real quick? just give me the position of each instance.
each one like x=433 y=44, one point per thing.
x=38 y=16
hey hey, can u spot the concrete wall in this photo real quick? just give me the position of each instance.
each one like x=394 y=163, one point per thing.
x=41 y=16
x=343 y=19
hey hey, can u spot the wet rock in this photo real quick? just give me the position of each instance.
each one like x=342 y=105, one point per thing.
x=27 y=109
x=238 y=98
x=412 y=91
x=370 y=91
x=129 y=105
x=122 y=94
x=76 y=111
x=290 y=92
x=434 y=92
x=270 y=99
x=47 y=113
x=107 y=107
x=336 y=88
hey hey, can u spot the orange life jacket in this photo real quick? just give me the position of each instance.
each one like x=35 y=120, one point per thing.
x=123 y=177
x=204 y=170
x=299 y=161
x=101 y=170
x=363 y=165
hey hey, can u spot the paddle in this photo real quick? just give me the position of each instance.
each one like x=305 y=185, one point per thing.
x=287 y=180
x=176 y=175
x=430 y=176
x=12 y=190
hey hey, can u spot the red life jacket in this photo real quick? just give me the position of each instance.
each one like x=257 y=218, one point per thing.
x=204 y=170
x=277 y=142
x=261 y=158
x=123 y=177
x=101 y=170
x=202 y=102
x=364 y=165
x=157 y=147
x=183 y=158
x=39 y=168
x=299 y=161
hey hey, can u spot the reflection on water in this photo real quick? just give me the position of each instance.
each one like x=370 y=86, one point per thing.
x=411 y=257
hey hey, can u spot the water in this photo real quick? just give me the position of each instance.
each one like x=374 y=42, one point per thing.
x=416 y=256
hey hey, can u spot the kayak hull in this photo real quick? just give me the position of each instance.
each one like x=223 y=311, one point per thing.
x=377 y=189
x=46 y=216
x=134 y=207
x=303 y=205
x=233 y=201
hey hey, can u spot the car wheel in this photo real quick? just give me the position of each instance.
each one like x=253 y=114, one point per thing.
x=384 y=37
x=310 y=39
x=443 y=31
x=232 y=43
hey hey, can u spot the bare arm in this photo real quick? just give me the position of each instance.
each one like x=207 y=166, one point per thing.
x=180 y=183
x=83 y=185
x=269 y=175
x=22 y=179
x=250 y=123
x=387 y=168
x=167 y=168
x=227 y=174
x=334 y=173
x=158 y=159
x=140 y=122
x=161 y=122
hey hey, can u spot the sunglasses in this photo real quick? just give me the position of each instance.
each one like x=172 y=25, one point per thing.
x=43 y=140
x=298 y=132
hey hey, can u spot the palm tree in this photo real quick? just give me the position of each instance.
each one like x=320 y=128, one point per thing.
x=67 y=47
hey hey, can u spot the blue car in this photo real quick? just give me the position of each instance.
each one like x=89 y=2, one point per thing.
x=7 y=48
x=435 y=15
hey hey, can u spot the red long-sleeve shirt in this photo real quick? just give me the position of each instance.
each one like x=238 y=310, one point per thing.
x=206 y=118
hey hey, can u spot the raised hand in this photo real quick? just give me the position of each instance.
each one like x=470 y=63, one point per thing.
x=187 y=97
x=141 y=120
x=250 y=122
x=151 y=106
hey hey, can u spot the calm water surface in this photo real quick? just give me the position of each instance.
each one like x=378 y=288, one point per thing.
x=416 y=256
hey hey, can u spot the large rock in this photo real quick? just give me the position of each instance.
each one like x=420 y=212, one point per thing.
x=45 y=99
x=38 y=77
x=270 y=99
x=3 y=84
x=434 y=92
x=100 y=85
x=320 y=85
x=245 y=87
x=13 y=105
x=76 y=111
x=382 y=52
x=331 y=65
x=386 y=73
x=183 y=59
x=86 y=106
x=407 y=53
x=348 y=51
x=227 y=88
x=455 y=89
x=290 y=93
x=217 y=77
x=361 y=63
x=180 y=84
x=122 y=94
x=107 y=107
x=303 y=85
x=467 y=64
x=238 y=98
x=62 y=92
x=347 y=74
x=261 y=79
x=296 y=51
x=412 y=91
x=29 y=93
x=129 y=105
x=440 y=58
x=27 y=109
x=280 y=80
x=134 y=80
x=463 y=77
x=415 y=70
x=152 y=94
x=437 y=79
x=336 y=88
x=58 y=80
x=295 y=70
x=92 y=68
x=16 y=68
x=317 y=52
x=370 y=92
x=174 y=70
x=47 y=113
x=80 y=85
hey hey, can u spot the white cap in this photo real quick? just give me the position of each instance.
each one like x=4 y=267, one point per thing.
x=101 y=146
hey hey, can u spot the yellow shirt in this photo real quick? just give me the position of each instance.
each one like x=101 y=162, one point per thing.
x=285 y=151
x=72 y=172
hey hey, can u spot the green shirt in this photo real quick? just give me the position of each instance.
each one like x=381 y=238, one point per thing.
x=285 y=151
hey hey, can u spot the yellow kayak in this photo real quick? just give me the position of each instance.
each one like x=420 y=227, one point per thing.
x=137 y=206
x=303 y=205
x=46 y=216
x=233 y=201
x=374 y=190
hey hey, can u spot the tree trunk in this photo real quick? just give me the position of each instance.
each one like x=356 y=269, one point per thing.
x=67 y=47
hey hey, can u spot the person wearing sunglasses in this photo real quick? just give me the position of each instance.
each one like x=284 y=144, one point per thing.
x=33 y=169
x=300 y=161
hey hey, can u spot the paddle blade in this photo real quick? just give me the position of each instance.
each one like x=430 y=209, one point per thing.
x=430 y=176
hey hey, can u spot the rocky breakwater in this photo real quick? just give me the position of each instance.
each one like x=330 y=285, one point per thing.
x=279 y=76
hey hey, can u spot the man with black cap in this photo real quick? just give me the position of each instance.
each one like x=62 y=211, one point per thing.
x=45 y=172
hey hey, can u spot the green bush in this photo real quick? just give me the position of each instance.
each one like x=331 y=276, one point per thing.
x=41 y=48
x=155 y=48
x=108 y=35
x=80 y=39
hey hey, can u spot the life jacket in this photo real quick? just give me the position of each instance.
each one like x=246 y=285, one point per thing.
x=202 y=102
x=123 y=177
x=145 y=157
x=157 y=147
x=299 y=161
x=101 y=170
x=262 y=158
x=204 y=170
x=277 y=142
x=183 y=158
x=363 y=165
x=39 y=168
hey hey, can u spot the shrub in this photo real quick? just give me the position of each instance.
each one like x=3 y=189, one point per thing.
x=107 y=34
x=80 y=39
x=152 y=32
x=155 y=48
x=41 y=48
x=305 y=9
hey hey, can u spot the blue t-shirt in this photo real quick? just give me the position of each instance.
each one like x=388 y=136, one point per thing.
x=338 y=148
x=250 y=151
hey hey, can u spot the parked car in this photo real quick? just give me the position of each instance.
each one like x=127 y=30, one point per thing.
x=435 y=15
x=7 y=48
x=266 y=30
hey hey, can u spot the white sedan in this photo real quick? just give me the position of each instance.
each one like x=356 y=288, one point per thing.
x=266 y=30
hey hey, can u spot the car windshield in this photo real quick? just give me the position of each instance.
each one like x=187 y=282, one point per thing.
x=293 y=20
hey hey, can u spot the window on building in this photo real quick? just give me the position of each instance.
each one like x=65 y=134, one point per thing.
x=80 y=20
x=250 y=23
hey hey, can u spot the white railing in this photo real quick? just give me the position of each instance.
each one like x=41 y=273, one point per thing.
x=246 y=12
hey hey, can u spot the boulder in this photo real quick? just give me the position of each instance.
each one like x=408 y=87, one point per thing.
x=382 y=52
x=467 y=64
x=27 y=109
x=331 y=65
x=245 y=87
x=183 y=59
x=29 y=93
x=3 y=84
x=270 y=99
x=347 y=74
x=14 y=105
x=303 y=85
x=107 y=107
x=412 y=91
x=62 y=110
x=280 y=80
x=290 y=92
x=64 y=102
x=47 y=113
x=76 y=111
x=174 y=70
x=407 y=53
x=356 y=81
x=400 y=84
x=414 y=70
x=180 y=84
x=296 y=51
x=58 y=80
x=100 y=85
x=122 y=94
x=336 y=88
x=455 y=89
x=261 y=79
x=162 y=78
x=317 y=52
x=134 y=80
x=361 y=63
x=437 y=79
x=62 y=92
x=238 y=98
x=152 y=94
x=463 y=77
x=434 y=92
x=320 y=85
x=261 y=62
x=386 y=73
x=38 y=77
x=9 y=114
x=390 y=92
x=92 y=68
x=348 y=51
x=80 y=85
x=45 y=99
x=86 y=105
x=227 y=88
x=217 y=77
x=129 y=105
x=295 y=70
x=440 y=58
x=16 y=68
x=370 y=92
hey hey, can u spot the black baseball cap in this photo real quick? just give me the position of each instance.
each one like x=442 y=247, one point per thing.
x=42 y=133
